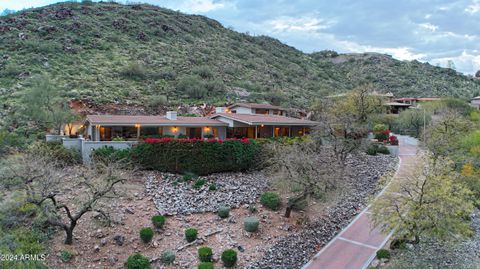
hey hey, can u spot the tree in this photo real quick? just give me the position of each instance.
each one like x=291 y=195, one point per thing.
x=431 y=201
x=477 y=75
x=442 y=136
x=46 y=185
x=301 y=170
x=413 y=120
x=44 y=104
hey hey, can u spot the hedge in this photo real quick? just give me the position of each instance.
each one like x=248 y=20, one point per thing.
x=197 y=156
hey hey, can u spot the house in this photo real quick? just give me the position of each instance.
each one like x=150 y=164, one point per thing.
x=235 y=121
x=475 y=102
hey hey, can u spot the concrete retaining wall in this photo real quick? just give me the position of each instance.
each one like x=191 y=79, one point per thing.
x=51 y=138
x=89 y=146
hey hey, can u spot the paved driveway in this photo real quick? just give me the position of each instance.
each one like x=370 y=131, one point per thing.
x=355 y=246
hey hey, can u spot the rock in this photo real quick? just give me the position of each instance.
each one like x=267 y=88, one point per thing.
x=96 y=248
x=112 y=259
x=103 y=242
x=119 y=240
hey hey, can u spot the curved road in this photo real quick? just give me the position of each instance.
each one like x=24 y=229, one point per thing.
x=355 y=246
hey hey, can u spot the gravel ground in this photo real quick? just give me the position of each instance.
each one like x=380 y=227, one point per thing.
x=294 y=250
x=172 y=196
x=437 y=254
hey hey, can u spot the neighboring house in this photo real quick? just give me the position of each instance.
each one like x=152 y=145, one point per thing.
x=475 y=102
x=239 y=120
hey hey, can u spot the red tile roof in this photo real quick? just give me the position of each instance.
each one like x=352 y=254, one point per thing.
x=258 y=119
x=152 y=120
x=253 y=105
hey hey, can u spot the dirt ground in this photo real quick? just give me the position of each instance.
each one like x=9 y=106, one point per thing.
x=94 y=245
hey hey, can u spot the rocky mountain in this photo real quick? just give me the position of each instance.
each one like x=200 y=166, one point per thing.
x=143 y=55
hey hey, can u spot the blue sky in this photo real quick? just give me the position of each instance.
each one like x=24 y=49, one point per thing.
x=427 y=30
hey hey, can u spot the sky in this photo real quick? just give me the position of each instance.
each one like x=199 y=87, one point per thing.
x=431 y=31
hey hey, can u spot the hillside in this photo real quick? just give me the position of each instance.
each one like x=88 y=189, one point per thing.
x=132 y=54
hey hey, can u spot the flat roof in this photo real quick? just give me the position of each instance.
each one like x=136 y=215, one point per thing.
x=253 y=105
x=152 y=120
x=259 y=119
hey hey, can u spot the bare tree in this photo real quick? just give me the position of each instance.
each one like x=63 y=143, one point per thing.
x=45 y=185
x=303 y=170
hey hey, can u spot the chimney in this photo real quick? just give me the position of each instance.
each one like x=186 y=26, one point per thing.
x=172 y=115
x=220 y=109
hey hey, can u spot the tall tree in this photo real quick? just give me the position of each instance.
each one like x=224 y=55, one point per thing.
x=45 y=105
x=431 y=201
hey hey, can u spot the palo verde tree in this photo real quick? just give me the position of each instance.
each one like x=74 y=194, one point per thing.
x=431 y=201
x=44 y=104
x=413 y=120
x=47 y=186
x=304 y=169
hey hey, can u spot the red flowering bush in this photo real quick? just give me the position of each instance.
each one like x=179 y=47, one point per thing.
x=383 y=135
x=393 y=140
x=199 y=156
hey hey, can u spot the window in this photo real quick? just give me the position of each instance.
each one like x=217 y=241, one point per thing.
x=261 y=111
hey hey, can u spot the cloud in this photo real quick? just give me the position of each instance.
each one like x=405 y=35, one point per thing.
x=303 y=24
x=429 y=26
x=466 y=62
x=473 y=8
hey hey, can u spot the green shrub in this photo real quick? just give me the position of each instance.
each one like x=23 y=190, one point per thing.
x=252 y=208
x=66 y=255
x=381 y=136
x=383 y=254
x=187 y=177
x=199 y=157
x=251 y=224
x=182 y=136
x=205 y=254
x=146 y=234
x=208 y=136
x=372 y=150
x=56 y=151
x=158 y=221
x=134 y=71
x=110 y=154
x=380 y=127
x=168 y=257
x=383 y=150
x=191 y=234
x=205 y=265
x=137 y=261
x=199 y=183
x=270 y=200
x=212 y=187
x=229 y=257
x=223 y=212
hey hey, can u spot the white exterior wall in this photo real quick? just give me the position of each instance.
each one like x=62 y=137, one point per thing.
x=243 y=110
x=51 y=138
x=73 y=143
x=475 y=103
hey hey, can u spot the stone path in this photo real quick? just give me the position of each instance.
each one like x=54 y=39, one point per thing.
x=355 y=246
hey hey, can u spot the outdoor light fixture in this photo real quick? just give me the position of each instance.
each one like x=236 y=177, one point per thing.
x=98 y=125
x=207 y=129
x=261 y=125
x=137 y=125
x=174 y=129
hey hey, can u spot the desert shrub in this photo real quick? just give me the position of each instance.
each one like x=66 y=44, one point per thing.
x=229 y=257
x=168 y=257
x=205 y=265
x=199 y=183
x=134 y=71
x=252 y=208
x=205 y=254
x=188 y=177
x=158 y=100
x=146 y=234
x=204 y=72
x=201 y=157
x=251 y=224
x=270 y=200
x=158 y=221
x=110 y=154
x=223 y=212
x=383 y=150
x=137 y=261
x=192 y=86
x=212 y=187
x=373 y=149
x=56 y=151
x=66 y=255
x=383 y=254
x=191 y=234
